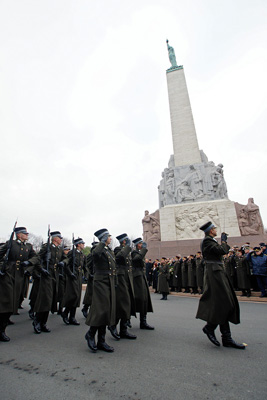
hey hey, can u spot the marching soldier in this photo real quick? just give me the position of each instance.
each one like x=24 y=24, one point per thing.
x=218 y=305
x=16 y=257
x=102 y=312
x=141 y=290
x=125 y=303
x=163 y=279
x=73 y=290
x=51 y=257
x=87 y=300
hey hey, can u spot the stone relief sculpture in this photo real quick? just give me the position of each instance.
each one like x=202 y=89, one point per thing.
x=151 y=226
x=249 y=218
x=191 y=183
x=187 y=224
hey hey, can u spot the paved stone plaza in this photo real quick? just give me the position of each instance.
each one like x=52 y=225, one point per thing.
x=176 y=361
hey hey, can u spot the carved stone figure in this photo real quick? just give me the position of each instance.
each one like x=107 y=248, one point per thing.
x=151 y=226
x=169 y=194
x=194 y=179
x=183 y=193
x=249 y=219
x=172 y=57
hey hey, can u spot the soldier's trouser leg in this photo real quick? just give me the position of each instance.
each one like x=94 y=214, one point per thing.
x=101 y=343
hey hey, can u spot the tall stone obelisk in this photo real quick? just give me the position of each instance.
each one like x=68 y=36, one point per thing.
x=185 y=144
x=192 y=190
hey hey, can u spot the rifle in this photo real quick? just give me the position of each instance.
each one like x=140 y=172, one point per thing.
x=48 y=250
x=5 y=259
x=73 y=255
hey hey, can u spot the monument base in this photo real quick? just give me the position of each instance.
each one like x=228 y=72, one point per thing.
x=182 y=221
x=157 y=249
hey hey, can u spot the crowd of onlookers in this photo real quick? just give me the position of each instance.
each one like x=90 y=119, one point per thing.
x=245 y=266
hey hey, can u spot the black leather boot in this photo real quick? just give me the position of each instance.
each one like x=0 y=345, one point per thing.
x=4 y=337
x=72 y=320
x=36 y=326
x=101 y=344
x=85 y=310
x=64 y=316
x=124 y=334
x=114 y=332
x=211 y=335
x=44 y=328
x=227 y=341
x=144 y=324
x=90 y=338
x=31 y=314
x=129 y=323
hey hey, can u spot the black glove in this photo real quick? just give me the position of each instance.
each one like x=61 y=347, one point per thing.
x=44 y=272
x=25 y=263
x=73 y=276
x=144 y=245
x=128 y=242
x=61 y=264
x=27 y=273
x=105 y=238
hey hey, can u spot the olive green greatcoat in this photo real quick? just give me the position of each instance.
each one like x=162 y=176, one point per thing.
x=103 y=308
x=218 y=303
x=143 y=302
x=200 y=271
x=11 y=284
x=125 y=302
x=177 y=271
x=163 y=279
x=46 y=299
x=73 y=289
x=242 y=272
x=87 y=299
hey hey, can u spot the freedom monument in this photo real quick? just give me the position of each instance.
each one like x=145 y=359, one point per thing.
x=193 y=190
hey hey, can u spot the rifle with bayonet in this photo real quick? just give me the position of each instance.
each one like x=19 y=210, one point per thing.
x=5 y=259
x=45 y=271
x=73 y=275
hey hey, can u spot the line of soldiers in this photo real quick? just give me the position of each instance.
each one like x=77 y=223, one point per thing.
x=187 y=273
x=117 y=287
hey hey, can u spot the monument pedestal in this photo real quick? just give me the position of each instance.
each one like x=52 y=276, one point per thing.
x=182 y=221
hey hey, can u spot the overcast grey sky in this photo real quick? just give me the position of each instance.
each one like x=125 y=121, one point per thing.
x=85 y=125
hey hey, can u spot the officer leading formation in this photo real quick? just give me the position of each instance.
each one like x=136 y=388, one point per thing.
x=117 y=286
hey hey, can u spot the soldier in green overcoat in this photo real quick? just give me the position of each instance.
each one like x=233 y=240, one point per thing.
x=163 y=279
x=21 y=258
x=73 y=289
x=218 y=305
x=192 y=278
x=61 y=283
x=51 y=258
x=125 y=302
x=242 y=272
x=141 y=290
x=102 y=312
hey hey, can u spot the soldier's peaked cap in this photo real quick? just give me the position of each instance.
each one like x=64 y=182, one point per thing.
x=207 y=227
x=78 y=241
x=100 y=233
x=56 y=234
x=138 y=240
x=122 y=237
x=21 y=229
